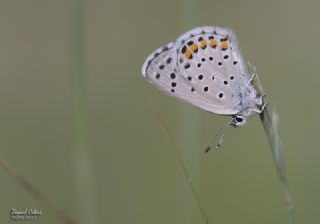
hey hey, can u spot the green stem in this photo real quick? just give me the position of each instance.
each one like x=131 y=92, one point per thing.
x=85 y=187
x=181 y=162
x=189 y=120
x=270 y=123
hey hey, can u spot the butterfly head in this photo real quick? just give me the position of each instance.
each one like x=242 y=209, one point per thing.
x=238 y=121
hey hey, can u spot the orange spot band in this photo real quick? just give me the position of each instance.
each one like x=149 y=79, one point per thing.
x=188 y=54
x=224 y=45
x=194 y=47
x=203 y=44
x=213 y=43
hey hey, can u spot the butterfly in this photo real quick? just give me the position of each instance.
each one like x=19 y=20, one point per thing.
x=205 y=67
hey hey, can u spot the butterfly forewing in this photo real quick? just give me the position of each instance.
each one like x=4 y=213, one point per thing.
x=207 y=59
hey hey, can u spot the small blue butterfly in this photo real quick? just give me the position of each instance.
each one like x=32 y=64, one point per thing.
x=205 y=68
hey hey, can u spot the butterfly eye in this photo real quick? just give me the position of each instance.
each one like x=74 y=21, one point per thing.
x=239 y=119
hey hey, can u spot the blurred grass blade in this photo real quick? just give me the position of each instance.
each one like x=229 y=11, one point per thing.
x=84 y=173
x=271 y=125
x=188 y=122
x=37 y=195
x=179 y=158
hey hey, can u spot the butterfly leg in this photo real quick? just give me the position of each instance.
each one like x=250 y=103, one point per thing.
x=248 y=83
x=259 y=111
x=255 y=76
x=258 y=85
x=259 y=101
x=251 y=78
x=253 y=71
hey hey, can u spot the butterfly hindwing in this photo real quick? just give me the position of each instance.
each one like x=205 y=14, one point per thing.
x=160 y=69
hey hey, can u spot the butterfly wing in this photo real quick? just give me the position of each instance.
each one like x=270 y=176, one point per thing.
x=210 y=59
x=160 y=69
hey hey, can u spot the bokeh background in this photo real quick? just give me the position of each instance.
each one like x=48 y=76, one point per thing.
x=76 y=118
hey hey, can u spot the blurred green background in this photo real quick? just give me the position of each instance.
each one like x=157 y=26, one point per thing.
x=76 y=120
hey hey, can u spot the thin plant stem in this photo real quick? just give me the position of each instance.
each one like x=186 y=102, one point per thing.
x=189 y=15
x=270 y=122
x=84 y=174
x=180 y=159
x=36 y=194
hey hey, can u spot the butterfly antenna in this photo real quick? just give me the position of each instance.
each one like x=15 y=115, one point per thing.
x=220 y=134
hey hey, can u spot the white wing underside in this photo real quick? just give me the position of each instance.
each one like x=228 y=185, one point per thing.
x=170 y=70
